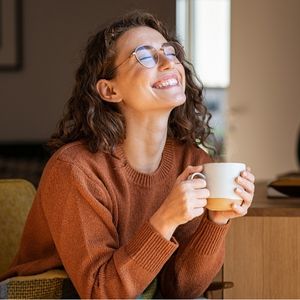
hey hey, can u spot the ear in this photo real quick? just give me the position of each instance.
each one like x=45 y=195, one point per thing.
x=107 y=91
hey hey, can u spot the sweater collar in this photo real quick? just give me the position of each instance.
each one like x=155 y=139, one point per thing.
x=147 y=180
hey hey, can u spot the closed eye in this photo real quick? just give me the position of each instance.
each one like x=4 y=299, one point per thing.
x=146 y=57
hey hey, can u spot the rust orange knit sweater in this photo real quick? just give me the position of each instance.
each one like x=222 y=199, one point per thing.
x=91 y=216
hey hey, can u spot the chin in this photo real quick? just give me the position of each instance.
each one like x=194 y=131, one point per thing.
x=173 y=104
x=171 y=101
x=179 y=100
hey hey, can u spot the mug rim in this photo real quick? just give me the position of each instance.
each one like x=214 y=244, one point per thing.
x=224 y=163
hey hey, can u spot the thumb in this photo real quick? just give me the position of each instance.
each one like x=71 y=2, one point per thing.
x=187 y=172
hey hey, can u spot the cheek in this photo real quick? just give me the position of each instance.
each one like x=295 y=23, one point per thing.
x=133 y=85
x=136 y=81
x=134 y=74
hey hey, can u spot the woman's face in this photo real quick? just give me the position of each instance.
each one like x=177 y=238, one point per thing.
x=147 y=89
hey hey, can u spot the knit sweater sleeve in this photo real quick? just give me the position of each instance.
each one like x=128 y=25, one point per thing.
x=79 y=217
x=192 y=268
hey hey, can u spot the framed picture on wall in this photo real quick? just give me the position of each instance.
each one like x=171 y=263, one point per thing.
x=10 y=35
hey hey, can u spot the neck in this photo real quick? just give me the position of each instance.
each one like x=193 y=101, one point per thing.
x=145 y=140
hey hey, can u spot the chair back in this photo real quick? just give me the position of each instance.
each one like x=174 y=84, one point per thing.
x=16 y=196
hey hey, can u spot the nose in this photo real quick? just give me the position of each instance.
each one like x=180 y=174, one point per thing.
x=164 y=62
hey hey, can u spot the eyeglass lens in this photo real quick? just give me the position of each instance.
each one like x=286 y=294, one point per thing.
x=148 y=55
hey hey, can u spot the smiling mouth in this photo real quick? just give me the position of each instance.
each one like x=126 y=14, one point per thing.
x=166 y=83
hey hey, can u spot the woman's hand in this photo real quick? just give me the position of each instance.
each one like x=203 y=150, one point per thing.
x=246 y=181
x=186 y=201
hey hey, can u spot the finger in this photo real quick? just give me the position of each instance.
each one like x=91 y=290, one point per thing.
x=192 y=186
x=247 y=197
x=197 y=212
x=187 y=171
x=240 y=210
x=198 y=183
x=201 y=193
x=248 y=175
x=246 y=184
x=199 y=203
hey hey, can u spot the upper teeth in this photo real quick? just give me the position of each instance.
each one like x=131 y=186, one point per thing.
x=169 y=82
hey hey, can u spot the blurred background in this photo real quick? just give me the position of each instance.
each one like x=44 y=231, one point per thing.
x=245 y=52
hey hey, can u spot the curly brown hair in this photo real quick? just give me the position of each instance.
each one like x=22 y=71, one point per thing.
x=99 y=123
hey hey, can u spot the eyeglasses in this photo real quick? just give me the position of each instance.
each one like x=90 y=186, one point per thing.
x=148 y=56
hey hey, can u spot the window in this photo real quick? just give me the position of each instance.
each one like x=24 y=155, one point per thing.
x=203 y=27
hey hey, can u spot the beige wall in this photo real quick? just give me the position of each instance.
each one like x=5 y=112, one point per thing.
x=265 y=73
x=54 y=33
x=264 y=98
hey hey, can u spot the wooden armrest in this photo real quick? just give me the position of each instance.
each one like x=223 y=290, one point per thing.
x=217 y=286
x=220 y=285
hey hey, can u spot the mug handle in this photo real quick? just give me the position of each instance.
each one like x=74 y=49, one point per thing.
x=192 y=176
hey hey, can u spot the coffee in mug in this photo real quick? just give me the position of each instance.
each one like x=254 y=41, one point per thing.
x=220 y=180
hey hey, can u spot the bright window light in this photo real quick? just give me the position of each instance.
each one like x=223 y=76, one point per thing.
x=203 y=26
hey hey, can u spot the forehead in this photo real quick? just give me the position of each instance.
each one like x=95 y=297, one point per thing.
x=137 y=36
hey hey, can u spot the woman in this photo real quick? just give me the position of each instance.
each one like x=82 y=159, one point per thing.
x=115 y=207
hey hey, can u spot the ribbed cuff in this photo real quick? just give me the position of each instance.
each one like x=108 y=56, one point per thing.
x=209 y=236
x=150 y=249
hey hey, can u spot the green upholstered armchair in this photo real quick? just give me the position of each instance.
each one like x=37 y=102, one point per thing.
x=16 y=196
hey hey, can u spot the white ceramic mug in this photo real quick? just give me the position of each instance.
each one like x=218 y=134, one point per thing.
x=220 y=180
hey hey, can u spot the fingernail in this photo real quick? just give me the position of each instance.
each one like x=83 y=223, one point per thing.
x=238 y=190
